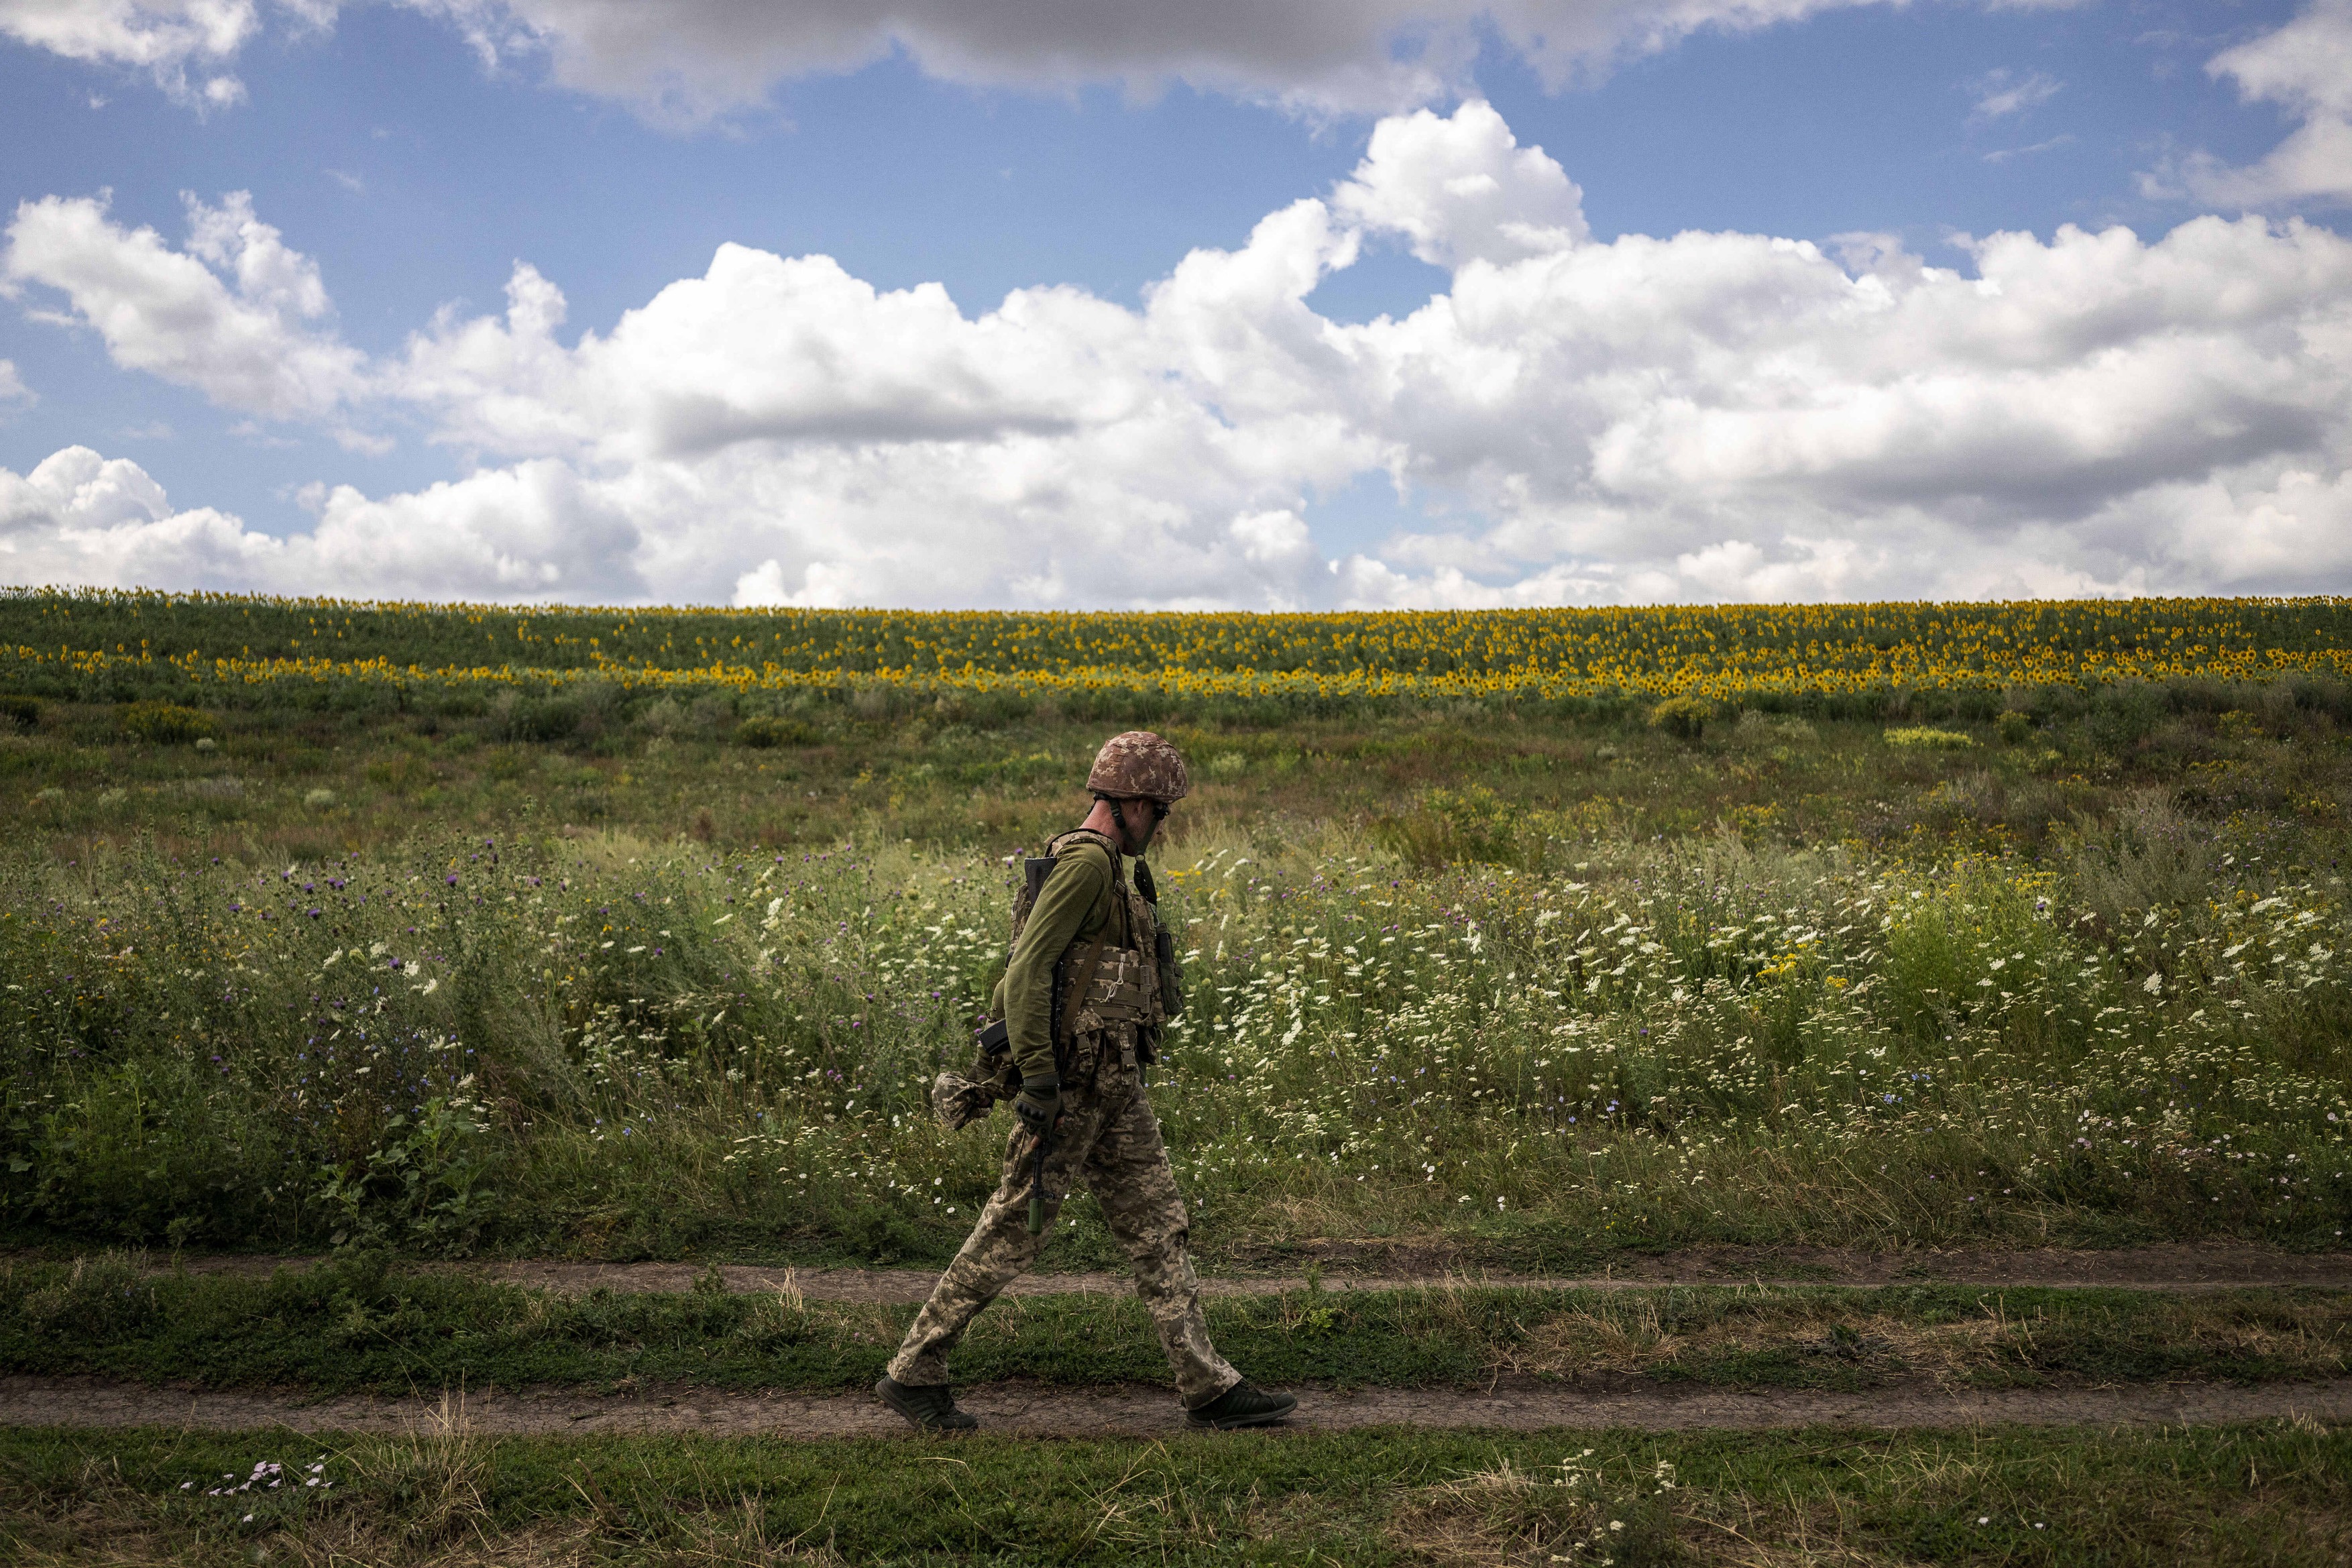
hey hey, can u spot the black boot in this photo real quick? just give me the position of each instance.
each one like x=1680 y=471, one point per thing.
x=1242 y=1406
x=930 y=1406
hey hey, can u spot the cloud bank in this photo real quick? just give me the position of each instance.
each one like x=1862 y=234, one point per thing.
x=1708 y=416
x=687 y=60
x=685 y=63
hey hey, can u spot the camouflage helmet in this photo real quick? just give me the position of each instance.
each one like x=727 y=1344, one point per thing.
x=1139 y=766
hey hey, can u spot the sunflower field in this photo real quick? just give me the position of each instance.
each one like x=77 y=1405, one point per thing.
x=219 y=647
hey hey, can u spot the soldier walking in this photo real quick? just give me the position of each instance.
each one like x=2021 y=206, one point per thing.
x=1089 y=987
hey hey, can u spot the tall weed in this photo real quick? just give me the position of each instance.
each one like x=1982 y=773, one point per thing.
x=602 y=1046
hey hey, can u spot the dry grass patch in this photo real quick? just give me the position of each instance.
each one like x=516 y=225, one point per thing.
x=2289 y=1334
x=1579 y=1510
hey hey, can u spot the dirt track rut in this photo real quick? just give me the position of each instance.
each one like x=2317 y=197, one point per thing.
x=1038 y=1410
x=1035 y=1410
x=2167 y=1267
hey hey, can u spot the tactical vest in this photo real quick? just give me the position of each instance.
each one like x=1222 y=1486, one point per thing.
x=1124 y=974
x=1129 y=976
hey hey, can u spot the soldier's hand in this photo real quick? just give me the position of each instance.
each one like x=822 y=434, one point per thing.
x=1038 y=1103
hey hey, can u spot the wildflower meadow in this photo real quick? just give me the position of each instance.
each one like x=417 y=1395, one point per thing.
x=2075 y=970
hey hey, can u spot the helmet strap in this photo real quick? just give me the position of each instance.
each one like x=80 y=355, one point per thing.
x=1117 y=805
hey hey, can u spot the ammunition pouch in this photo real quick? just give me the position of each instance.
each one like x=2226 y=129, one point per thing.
x=1115 y=994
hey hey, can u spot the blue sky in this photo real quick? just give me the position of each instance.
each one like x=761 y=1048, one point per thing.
x=410 y=175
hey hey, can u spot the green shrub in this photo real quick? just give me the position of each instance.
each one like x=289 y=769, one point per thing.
x=25 y=713
x=882 y=1235
x=2015 y=727
x=1922 y=737
x=106 y=1294
x=1685 y=718
x=2126 y=713
x=765 y=729
x=423 y=1186
x=1468 y=826
x=1759 y=728
x=2148 y=855
x=514 y=717
x=401 y=774
x=164 y=724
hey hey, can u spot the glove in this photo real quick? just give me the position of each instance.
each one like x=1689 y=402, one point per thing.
x=1038 y=1103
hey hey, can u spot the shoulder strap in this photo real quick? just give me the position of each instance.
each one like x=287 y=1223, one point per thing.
x=1104 y=840
x=1038 y=868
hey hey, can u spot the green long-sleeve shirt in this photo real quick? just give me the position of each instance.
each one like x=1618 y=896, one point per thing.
x=1073 y=906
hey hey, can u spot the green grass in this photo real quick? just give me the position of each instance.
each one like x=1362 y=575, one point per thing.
x=354 y=1326
x=2276 y=1494
x=1501 y=987
x=278 y=783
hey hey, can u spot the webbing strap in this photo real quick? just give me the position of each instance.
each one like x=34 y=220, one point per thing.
x=1083 y=979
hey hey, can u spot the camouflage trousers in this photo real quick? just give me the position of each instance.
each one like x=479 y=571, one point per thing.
x=1108 y=1139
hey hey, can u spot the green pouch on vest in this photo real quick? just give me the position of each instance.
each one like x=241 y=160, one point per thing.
x=1163 y=948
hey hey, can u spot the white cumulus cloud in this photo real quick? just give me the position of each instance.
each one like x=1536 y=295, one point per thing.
x=2305 y=67
x=529 y=532
x=1706 y=415
x=1460 y=188
x=162 y=38
x=81 y=518
x=236 y=314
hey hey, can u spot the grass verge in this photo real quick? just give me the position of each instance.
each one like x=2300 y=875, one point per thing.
x=355 y=1324
x=2277 y=1493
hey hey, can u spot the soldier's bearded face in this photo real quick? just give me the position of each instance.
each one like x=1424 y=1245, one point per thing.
x=1141 y=821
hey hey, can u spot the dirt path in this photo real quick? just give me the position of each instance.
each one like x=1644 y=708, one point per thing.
x=1032 y=1409
x=2167 y=1268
